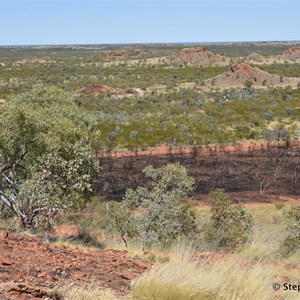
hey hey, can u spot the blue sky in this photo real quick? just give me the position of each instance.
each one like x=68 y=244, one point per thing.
x=43 y=22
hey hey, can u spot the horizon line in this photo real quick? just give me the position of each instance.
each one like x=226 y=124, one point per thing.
x=148 y=43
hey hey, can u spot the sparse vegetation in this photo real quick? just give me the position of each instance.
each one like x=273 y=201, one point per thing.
x=95 y=99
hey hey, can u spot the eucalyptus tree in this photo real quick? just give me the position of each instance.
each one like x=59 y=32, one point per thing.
x=46 y=153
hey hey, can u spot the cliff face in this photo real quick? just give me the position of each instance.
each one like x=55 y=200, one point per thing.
x=236 y=169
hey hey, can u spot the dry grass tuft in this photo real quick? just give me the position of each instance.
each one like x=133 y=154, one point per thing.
x=233 y=278
x=72 y=292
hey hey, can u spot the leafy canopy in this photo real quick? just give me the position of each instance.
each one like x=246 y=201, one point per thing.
x=46 y=158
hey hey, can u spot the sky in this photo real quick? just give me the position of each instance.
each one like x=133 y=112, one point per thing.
x=42 y=22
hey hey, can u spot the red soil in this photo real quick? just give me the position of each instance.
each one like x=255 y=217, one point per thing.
x=103 y=89
x=29 y=268
x=65 y=230
x=240 y=147
x=251 y=199
x=96 y=90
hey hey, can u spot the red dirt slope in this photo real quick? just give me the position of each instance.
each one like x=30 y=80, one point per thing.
x=291 y=53
x=201 y=56
x=103 y=89
x=237 y=75
x=29 y=267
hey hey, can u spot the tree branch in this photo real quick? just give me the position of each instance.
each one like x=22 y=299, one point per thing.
x=7 y=201
x=14 y=163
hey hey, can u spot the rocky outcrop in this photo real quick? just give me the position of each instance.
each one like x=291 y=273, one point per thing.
x=241 y=73
x=29 y=268
x=201 y=56
x=291 y=53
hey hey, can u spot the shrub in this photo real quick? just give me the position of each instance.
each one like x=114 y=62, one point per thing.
x=292 y=241
x=229 y=224
x=279 y=206
x=154 y=213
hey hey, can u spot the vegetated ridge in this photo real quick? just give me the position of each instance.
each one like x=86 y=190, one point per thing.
x=201 y=56
x=241 y=73
x=291 y=53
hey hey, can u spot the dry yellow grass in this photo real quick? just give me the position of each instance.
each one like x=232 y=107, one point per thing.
x=93 y=292
x=247 y=274
x=221 y=280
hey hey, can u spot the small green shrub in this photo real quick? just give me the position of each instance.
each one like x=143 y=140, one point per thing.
x=292 y=242
x=154 y=214
x=229 y=224
x=279 y=206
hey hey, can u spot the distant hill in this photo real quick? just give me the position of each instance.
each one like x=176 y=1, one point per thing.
x=240 y=73
x=201 y=56
x=291 y=53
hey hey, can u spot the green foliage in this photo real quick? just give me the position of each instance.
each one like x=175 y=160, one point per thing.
x=279 y=206
x=292 y=241
x=229 y=224
x=248 y=84
x=284 y=70
x=46 y=157
x=178 y=115
x=154 y=213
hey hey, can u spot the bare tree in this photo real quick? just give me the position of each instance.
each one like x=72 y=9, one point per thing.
x=266 y=180
x=295 y=174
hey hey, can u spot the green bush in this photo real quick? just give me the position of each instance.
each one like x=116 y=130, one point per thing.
x=154 y=213
x=279 y=206
x=229 y=224
x=292 y=220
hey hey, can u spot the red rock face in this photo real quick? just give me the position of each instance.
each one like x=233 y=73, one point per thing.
x=244 y=69
x=29 y=267
x=292 y=53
